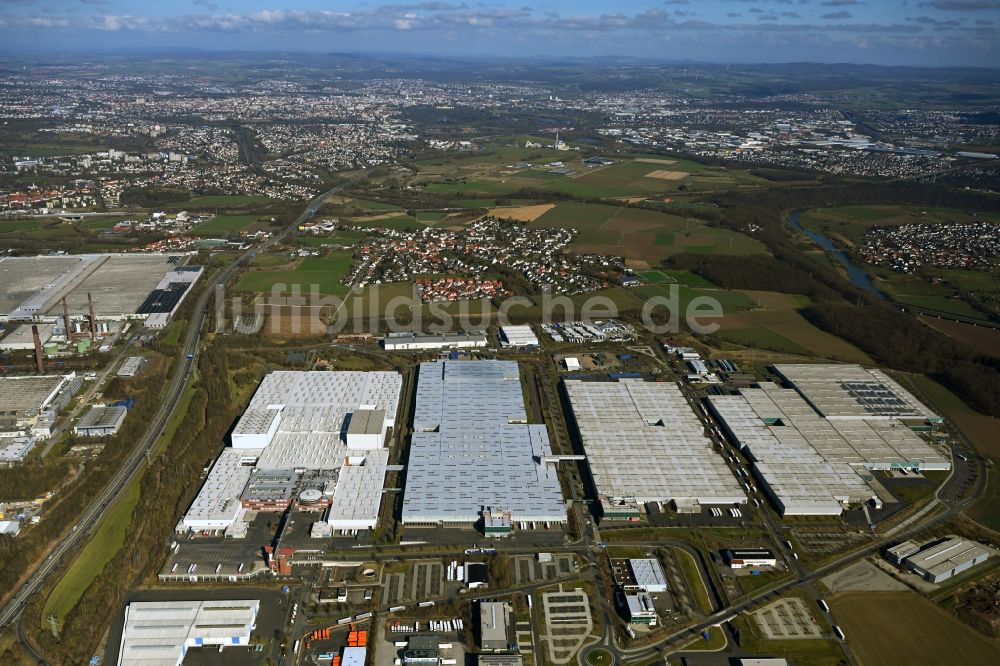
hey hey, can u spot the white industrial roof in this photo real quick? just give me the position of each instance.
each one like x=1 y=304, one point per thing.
x=158 y=632
x=14 y=447
x=643 y=440
x=473 y=449
x=218 y=501
x=519 y=336
x=299 y=419
x=319 y=401
x=648 y=573
x=947 y=555
x=842 y=391
x=810 y=464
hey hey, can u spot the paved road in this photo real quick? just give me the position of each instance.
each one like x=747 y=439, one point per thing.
x=179 y=381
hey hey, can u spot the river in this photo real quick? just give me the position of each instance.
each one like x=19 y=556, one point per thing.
x=855 y=273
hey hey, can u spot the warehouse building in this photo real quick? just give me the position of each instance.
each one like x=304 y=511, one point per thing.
x=518 y=336
x=495 y=626
x=22 y=338
x=130 y=367
x=14 y=448
x=473 y=451
x=162 y=632
x=101 y=421
x=297 y=430
x=941 y=561
x=644 y=442
x=843 y=391
x=407 y=341
x=810 y=464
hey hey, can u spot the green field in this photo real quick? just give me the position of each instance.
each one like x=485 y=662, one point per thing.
x=397 y=222
x=685 y=278
x=226 y=224
x=324 y=272
x=217 y=202
x=269 y=260
x=637 y=233
x=730 y=301
x=762 y=338
x=368 y=204
x=105 y=542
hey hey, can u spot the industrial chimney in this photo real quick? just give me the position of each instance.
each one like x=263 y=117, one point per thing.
x=39 y=358
x=69 y=328
x=93 y=319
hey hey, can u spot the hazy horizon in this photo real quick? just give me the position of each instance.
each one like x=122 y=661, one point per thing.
x=920 y=33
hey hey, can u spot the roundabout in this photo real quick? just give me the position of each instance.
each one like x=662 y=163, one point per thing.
x=599 y=656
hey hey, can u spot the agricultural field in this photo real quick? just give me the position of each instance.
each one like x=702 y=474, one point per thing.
x=776 y=325
x=730 y=301
x=981 y=338
x=906 y=628
x=941 y=291
x=504 y=170
x=685 y=278
x=226 y=224
x=641 y=234
x=217 y=202
x=325 y=272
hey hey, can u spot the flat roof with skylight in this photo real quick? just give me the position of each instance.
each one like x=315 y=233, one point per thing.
x=473 y=449
x=643 y=441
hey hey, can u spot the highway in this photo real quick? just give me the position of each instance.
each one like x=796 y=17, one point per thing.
x=179 y=382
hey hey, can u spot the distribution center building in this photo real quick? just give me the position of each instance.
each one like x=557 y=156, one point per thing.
x=472 y=449
x=325 y=431
x=518 y=336
x=813 y=465
x=643 y=441
x=161 y=632
x=407 y=341
x=948 y=558
x=101 y=421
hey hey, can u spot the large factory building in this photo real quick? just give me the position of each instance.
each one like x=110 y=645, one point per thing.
x=644 y=443
x=473 y=451
x=315 y=440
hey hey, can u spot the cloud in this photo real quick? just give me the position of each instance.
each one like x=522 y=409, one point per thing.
x=840 y=3
x=842 y=14
x=962 y=5
x=207 y=4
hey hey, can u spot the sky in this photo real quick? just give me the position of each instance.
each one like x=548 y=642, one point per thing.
x=888 y=32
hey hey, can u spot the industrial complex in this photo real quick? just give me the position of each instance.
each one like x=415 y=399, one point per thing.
x=473 y=450
x=645 y=444
x=312 y=439
x=814 y=462
x=30 y=404
x=119 y=287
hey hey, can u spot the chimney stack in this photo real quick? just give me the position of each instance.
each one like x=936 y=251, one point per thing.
x=93 y=319
x=69 y=327
x=39 y=358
